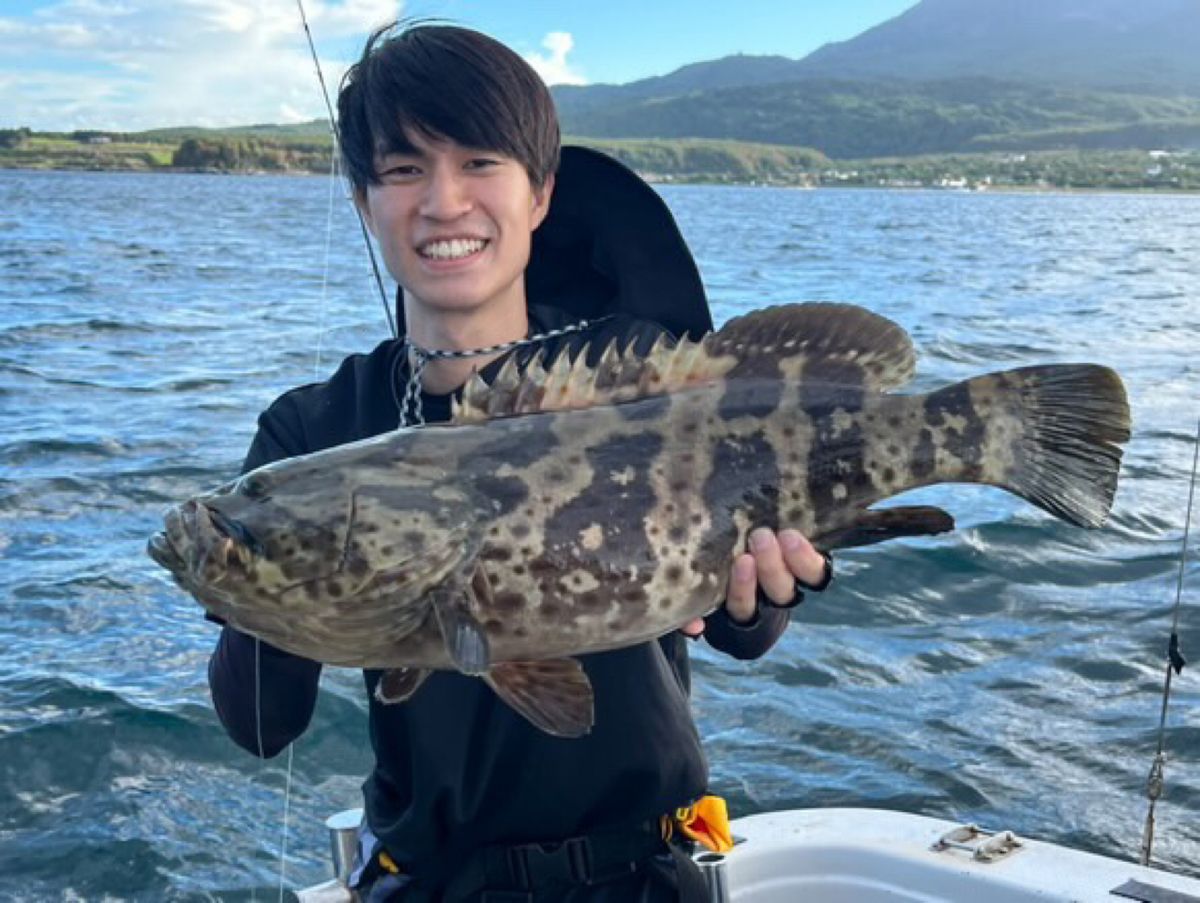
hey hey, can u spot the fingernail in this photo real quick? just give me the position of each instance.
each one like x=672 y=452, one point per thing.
x=790 y=540
x=743 y=569
x=760 y=539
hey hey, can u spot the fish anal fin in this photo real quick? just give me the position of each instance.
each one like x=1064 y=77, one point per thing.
x=454 y=605
x=882 y=524
x=399 y=684
x=555 y=695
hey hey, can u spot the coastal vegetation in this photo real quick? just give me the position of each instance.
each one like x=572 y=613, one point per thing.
x=307 y=148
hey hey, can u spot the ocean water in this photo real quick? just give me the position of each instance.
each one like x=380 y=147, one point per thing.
x=1008 y=674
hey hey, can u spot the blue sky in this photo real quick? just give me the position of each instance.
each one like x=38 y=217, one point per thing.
x=136 y=64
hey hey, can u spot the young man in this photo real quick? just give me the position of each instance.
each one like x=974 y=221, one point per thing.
x=452 y=146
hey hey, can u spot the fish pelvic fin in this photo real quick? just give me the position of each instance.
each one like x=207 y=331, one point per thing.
x=555 y=695
x=454 y=605
x=883 y=524
x=399 y=684
x=838 y=344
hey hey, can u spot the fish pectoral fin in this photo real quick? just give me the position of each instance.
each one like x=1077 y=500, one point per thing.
x=555 y=695
x=399 y=684
x=466 y=641
x=886 y=523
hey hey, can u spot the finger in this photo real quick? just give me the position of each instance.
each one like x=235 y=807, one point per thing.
x=693 y=628
x=740 y=598
x=774 y=575
x=803 y=561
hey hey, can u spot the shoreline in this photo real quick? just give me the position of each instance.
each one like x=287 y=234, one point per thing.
x=666 y=180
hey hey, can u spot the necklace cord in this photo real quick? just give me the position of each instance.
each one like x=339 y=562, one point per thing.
x=408 y=397
x=1175 y=663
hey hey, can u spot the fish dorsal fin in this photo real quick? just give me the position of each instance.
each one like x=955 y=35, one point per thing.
x=832 y=343
x=568 y=383
x=819 y=343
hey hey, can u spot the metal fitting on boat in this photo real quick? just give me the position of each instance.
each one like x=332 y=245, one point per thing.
x=712 y=867
x=343 y=841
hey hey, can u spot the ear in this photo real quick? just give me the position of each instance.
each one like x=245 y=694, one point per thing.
x=541 y=200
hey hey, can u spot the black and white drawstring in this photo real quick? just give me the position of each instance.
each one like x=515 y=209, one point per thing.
x=407 y=390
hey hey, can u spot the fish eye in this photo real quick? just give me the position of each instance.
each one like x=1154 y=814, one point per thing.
x=252 y=486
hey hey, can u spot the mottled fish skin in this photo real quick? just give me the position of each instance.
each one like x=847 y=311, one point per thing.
x=573 y=510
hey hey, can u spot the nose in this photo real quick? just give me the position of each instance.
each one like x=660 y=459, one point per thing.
x=446 y=195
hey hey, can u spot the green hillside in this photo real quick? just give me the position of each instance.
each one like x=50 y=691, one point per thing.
x=854 y=119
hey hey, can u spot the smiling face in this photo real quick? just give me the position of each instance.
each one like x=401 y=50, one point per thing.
x=454 y=226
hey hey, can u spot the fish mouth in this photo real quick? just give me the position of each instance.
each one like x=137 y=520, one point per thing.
x=159 y=548
x=201 y=542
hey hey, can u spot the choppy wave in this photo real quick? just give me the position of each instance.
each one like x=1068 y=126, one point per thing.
x=1008 y=674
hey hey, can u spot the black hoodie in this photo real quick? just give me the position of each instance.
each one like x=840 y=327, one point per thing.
x=456 y=768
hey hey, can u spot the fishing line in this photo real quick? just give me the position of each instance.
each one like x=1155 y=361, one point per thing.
x=1175 y=663
x=324 y=304
x=362 y=225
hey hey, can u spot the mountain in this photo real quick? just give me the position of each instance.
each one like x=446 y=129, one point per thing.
x=944 y=76
x=1149 y=46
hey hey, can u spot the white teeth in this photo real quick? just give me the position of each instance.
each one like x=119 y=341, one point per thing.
x=452 y=249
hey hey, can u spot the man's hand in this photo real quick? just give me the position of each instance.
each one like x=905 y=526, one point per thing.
x=775 y=562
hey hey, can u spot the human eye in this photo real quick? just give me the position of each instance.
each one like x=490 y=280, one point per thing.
x=392 y=169
x=482 y=163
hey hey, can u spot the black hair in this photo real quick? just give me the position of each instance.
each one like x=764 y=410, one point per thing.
x=443 y=82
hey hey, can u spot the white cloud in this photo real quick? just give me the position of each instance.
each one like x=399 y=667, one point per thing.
x=144 y=63
x=553 y=67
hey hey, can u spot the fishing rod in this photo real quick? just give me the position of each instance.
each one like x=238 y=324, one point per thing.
x=362 y=225
x=1175 y=663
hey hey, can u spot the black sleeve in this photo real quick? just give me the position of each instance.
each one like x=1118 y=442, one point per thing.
x=751 y=639
x=264 y=696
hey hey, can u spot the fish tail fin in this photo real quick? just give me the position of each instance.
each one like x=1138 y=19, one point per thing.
x=1056 y=436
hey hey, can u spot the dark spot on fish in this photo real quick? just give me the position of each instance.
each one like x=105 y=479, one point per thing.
x=889 y=475
x=518 y=569
x=542 y=565
x=357 y=566
x=387 y=551
x=894 y=422
x=674 y=573
x=334 y=588
x=633 y=594
x=494 y=626
x=494 y=579
x=697 y=519
x=592 y=600
x=508 y=602
x=680 y=485
x=556 y=475
x=677 y=534
x=520 y=530
x=893 y=450
x=550 y=609
x=496 y=553
x=924 y=455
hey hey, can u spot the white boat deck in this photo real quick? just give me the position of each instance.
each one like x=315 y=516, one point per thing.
x=873 y=856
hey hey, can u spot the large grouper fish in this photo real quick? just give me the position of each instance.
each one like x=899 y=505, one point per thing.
x=595 y=502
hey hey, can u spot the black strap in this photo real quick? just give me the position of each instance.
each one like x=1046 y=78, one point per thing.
x=512 y=872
